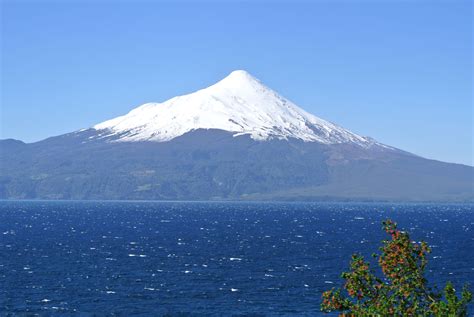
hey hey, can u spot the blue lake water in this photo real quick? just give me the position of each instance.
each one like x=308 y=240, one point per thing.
x=201 y=259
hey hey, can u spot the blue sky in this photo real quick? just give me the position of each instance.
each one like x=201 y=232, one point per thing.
x=399 y=71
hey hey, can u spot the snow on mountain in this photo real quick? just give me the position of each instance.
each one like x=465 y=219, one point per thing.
x=240 y=104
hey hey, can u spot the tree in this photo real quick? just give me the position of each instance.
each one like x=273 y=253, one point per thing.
x=403 y=290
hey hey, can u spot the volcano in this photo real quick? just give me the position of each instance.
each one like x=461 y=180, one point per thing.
x=234 y=140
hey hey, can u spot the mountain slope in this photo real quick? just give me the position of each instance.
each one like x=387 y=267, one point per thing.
x=212 y=164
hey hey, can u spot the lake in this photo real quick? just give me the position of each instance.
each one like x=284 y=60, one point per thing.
x=206 y=258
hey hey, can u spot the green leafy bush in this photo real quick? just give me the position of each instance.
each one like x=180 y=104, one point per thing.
x=402 y=291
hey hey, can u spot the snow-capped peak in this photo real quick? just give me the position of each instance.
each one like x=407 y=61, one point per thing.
x=239 y=103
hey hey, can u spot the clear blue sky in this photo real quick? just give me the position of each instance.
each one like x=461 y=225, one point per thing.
x=399 y=71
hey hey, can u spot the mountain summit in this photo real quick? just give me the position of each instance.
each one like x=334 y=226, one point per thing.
x=239 y=103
